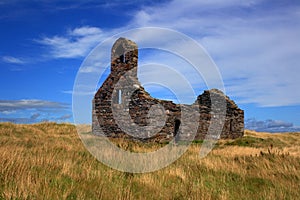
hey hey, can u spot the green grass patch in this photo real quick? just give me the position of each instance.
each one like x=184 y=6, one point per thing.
x=249 y=141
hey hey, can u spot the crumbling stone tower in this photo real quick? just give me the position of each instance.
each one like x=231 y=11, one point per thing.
x=121 y=105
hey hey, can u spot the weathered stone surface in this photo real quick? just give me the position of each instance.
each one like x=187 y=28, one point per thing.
x=122 y=107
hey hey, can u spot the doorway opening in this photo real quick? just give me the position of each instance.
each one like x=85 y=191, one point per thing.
x=177 y=125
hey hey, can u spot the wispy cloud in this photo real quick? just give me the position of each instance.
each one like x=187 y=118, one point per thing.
x=88 y=69
x=13 y=60
x=35 y=118
x=25 y=120
x=33 y=111
x=252 y=42
x=76 y=43
x=81 y=93
x=270 y=125
x=15 y=105
x=18 y=120
x=84 y=4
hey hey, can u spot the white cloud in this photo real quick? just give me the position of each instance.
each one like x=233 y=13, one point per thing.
x=12 y=60
x=81 y=93
x=8 y=112
x=33 y=111
x=191 y=13
x=253 y=43
x=14 y=105
x=85 y=31
x=270 y=125
x=89 y=69
x=76 y=43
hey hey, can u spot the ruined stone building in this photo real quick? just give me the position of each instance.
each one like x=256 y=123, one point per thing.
x=122 y=107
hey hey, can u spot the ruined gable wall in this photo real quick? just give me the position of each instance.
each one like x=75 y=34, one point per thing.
x=234 y=119
x=134 y=118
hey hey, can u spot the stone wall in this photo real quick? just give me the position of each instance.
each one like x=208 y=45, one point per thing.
x=122 y=106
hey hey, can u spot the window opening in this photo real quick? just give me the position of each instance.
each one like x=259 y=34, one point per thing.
x=231 y=125
x=123 y=58
x=119 y=97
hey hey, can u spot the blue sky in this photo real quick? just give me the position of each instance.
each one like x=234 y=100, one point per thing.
x=255 y=44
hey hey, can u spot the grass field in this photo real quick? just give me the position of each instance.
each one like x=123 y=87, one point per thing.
x=49 y=161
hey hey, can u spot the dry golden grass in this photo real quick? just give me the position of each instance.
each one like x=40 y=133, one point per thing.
x=49 y=161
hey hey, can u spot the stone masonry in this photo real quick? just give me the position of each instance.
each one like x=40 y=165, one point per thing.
x=122 y=107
